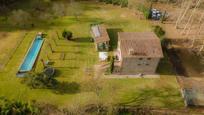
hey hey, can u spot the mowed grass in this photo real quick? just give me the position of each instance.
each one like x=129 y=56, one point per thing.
x=9 y=41
x=80 y=55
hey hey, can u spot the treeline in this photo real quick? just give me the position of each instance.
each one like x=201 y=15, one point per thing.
x=5 y=5
x=122 y=3
x=36 y=12
x=7 y=2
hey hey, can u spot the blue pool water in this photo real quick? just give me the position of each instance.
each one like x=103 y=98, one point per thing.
x=32 y=54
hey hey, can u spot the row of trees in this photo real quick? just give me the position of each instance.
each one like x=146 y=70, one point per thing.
x=43 y=12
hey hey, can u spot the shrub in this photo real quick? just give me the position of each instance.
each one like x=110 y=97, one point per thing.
x=146 y=11
x=159 y=31
x=67 y=34
x=124 y=3
x=147 y=14
x=116 y=2
x=110 y=69
x=17 y=108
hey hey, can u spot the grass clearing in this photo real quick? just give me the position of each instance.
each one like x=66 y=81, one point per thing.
x=10 y=41
x=79 y=55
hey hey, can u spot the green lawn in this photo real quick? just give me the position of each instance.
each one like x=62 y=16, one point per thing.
x=80 y=55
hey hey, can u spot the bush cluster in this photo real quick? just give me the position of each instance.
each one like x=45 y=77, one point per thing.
x=110 y=69
x=40 y=80
x=146 y=11
x=159 y=31
x=122 y=3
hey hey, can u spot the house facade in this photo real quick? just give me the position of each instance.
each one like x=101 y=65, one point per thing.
x=100 y=36
x=137 y=53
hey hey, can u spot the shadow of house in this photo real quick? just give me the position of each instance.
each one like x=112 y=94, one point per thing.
x=191 y=59
x=165 y=96
x=176 y=62
x=67 y=88
x=83 y=39
x=113 y=35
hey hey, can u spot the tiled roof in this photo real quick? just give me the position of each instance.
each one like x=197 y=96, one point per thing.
x=140 y=44
x=99 y=33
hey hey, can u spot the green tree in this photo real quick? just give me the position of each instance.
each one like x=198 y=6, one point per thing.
x=67 y=34
x=109 y=1
x=159 y=31
x=40 y=80
x=124 y=3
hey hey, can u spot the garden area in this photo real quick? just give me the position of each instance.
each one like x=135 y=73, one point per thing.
x=74 y=60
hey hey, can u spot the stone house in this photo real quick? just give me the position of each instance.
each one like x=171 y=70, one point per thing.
x=100 y=36
x=137 y=53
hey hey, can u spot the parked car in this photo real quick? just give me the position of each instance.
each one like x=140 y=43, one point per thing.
x=155 y=14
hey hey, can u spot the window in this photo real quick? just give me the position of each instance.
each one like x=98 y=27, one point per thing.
x=139 y=64
x=149 y=58
x=146 y=64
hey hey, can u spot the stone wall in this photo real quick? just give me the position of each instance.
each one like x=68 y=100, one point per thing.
x=131 y=66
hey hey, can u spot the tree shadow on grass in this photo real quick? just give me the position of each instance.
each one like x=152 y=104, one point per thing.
x=165 y=67
x=113 y=34
x=67 y=88
x=68 y=70
x=57 y=73
x=67 y=52
x=166 y=96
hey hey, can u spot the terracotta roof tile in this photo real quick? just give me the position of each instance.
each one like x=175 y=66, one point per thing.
x=140 y=44
x=99 y=33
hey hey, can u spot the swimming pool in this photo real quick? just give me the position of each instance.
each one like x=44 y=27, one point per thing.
x=31 y=55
